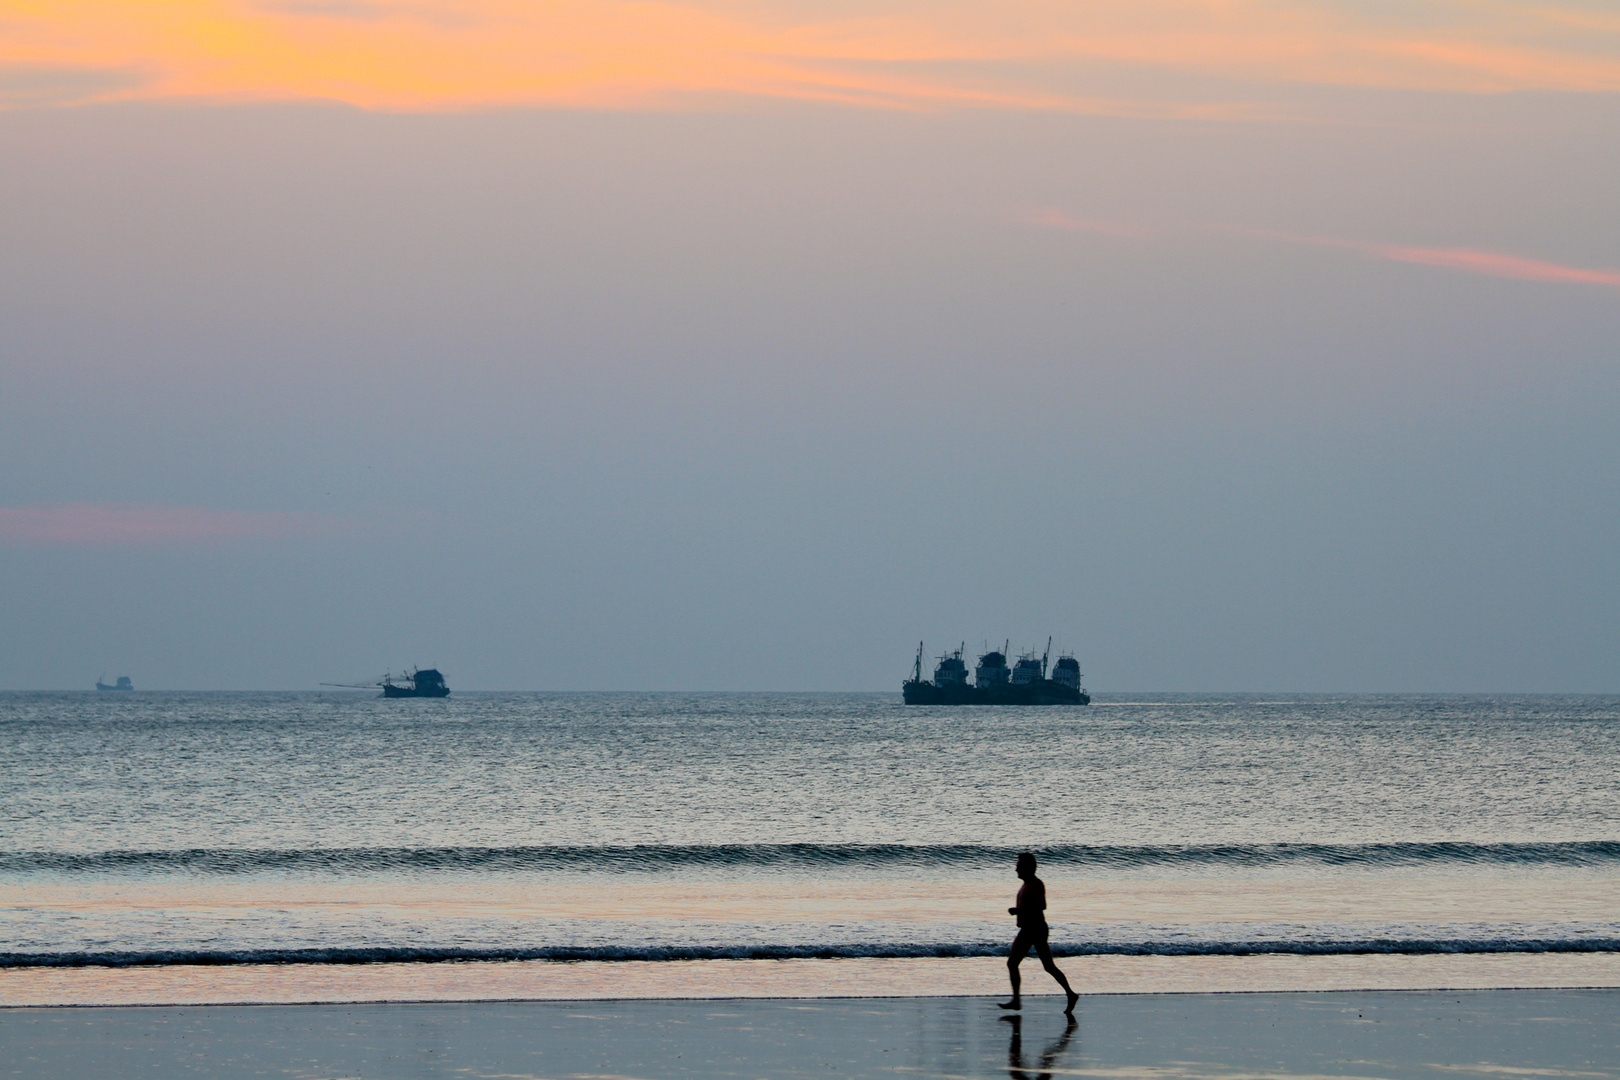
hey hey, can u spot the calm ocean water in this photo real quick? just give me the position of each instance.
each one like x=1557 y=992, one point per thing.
x=151 y=828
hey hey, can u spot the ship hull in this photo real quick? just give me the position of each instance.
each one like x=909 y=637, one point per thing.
x=406 y=691
x=1045 y=692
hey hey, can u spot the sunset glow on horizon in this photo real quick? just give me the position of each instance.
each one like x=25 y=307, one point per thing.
x=431 y=55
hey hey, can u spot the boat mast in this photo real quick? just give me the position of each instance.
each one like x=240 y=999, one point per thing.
x=916 y=668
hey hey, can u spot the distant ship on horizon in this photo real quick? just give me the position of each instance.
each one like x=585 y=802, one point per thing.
x=418 y=682
x=994 y=683
x=123 y=683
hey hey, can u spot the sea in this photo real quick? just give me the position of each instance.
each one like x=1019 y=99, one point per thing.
x=197 y=831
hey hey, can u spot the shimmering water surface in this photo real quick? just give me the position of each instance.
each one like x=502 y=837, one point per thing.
x=178 y=828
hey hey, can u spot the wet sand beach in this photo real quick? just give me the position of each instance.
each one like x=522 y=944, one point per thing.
x=1430 y=1035
x=537 y=980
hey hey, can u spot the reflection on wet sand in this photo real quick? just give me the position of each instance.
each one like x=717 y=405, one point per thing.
x=1016 y=1068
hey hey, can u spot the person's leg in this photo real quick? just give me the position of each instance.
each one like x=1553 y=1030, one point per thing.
x=1015 y=956
x=1044 y=951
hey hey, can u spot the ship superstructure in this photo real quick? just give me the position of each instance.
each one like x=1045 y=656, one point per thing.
x=992 y=669
x=1067 y=671
x=1028 y=670
x=994 y=683
x=951 y=671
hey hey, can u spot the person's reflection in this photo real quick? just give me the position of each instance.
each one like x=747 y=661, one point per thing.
x=1015 y=1050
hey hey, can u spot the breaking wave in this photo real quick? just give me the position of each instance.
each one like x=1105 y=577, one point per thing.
x=429 y=955
x=656 y=858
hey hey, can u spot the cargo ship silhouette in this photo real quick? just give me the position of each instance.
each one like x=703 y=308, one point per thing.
x=123 y=683
x=994 y=683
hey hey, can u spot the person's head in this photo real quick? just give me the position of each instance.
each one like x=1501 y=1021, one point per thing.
x=1026 y=865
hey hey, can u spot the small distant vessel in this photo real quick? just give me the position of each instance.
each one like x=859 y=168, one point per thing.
x=994 y=683
x=123 y=683
x=418 y=682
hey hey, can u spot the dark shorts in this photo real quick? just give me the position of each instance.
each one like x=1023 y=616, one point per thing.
x=1031 y=937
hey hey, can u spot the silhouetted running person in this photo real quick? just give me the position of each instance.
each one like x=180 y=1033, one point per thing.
x=1032 y=933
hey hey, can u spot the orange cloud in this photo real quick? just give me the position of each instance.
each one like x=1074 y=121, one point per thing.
x=136 y=523
x=1029 y=54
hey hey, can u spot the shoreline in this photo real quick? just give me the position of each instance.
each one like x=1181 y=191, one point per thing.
x=716 y=980
x=1084 y=995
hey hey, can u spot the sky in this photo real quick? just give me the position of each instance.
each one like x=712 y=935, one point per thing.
x=742 y=345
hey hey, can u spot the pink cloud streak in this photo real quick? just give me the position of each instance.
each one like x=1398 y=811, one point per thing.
x=145 y=523
x=1057 y=219
x=1496 y=265
x=1467 y=260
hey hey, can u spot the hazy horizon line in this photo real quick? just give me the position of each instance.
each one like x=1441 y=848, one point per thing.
x=1112 y=693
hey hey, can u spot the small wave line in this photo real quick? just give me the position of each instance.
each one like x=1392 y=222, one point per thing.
x=570 y=953
x=663 y=858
